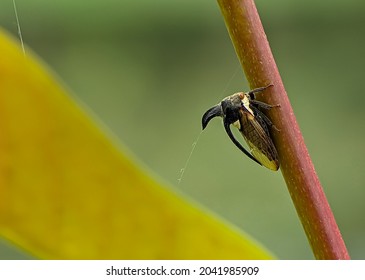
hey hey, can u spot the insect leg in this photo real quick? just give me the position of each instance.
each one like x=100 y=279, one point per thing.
x=260 y=89
x=263 y=105
x=251 y=93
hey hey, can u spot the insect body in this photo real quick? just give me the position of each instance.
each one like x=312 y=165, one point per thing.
x=243 y=111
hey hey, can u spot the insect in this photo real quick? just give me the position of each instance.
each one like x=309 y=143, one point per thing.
x=243 y=111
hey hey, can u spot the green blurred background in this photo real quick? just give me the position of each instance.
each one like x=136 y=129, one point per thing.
x=150 y=69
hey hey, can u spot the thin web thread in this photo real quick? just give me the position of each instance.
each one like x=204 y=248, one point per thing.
x=18 y=25
x=231 y=79
x=182 y=170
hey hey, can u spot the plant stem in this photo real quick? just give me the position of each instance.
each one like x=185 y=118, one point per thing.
x=253 y=50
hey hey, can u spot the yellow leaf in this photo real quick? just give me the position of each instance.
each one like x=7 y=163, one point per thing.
x=68 y=192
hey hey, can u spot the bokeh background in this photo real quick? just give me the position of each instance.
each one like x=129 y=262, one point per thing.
x=150 y=69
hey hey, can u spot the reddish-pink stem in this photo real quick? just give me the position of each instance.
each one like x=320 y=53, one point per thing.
x=253 y=50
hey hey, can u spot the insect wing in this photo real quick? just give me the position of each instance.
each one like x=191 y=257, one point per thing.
x=255 y=132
